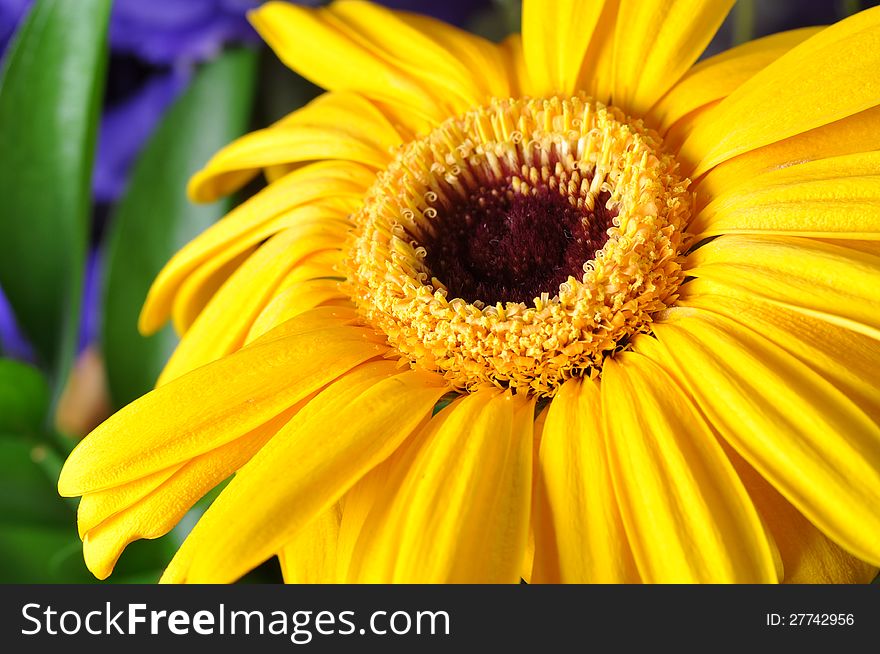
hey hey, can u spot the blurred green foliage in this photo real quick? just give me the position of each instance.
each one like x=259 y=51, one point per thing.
x=155 y=218
x=54 y=77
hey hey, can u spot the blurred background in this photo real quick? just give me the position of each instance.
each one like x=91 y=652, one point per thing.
x=106 y=109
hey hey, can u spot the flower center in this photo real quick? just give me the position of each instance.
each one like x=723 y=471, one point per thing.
x=512 y=247
x=522 y=243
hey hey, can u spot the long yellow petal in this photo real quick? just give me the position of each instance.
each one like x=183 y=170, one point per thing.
x=282 y=204
x=310 y=557
x=718 y=76
x=96 y=507
x=325 y=263
x=834 y=208
x=222 y=326
x=459 y=512
x=588 y=536
x=688 y=516
x=473 y=51
x=196 y=291
x=555 y=37
x=362 y=500
x=857 y=133
x=818 y=279
x=291 y=302
x=338 y=437
x=842 y=60
x=848 y=359
x=283 y=144
x=333 y=126
x=156 y=514
x=803 y=435
x=314 y=320
x=868 y=247
x=807 y=555
x=834 y=197
x=597 y=70
x=515 y=64
x=214 y=405
x=313 y=42
x=401 y=41
x=655 y=44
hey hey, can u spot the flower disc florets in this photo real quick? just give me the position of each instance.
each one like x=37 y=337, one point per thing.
x=521 y=243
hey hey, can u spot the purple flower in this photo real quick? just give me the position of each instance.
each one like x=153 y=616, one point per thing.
x=172 y=31
x=125 y=127
x=155 y=44
x=12 y=344
x=11 y=13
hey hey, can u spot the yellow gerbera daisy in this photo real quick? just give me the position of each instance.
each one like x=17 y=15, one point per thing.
x=567 y=308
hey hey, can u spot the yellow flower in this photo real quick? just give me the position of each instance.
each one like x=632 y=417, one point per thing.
x=567 y=308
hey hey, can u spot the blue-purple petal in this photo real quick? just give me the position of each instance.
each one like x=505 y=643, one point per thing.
x=126 y=126
x=13 y=344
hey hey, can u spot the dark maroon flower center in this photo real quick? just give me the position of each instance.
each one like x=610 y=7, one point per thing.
x=501 y=246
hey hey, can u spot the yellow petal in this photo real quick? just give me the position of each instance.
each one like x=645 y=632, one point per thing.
x=272 y=209
x=836 y=284
x=807 y=555
x=343 y=433
x=411 y=46
x=555 y=37
x=213 y=405
x=868 y=247
x=362 y=499
x=830 y=197
x=313 y=42
x=717 y=77
x=803 y=435
x=842 y=60
x=222 y=326
x=857 y=133
x=655 y=44
x=199 y=287
x=96 y=507
x=292 y=301
x=310 y=557
x=325 y=263
x=847 y=359
x=156 y=514
x=538 y=496
x=333 y=126
x=687 y=515
x=514 y=60
x=597 y=69
x=459 y=512
x=470 y=50
x=197 y=290
x=842 y=208
x=314 y=320
x=590 y=542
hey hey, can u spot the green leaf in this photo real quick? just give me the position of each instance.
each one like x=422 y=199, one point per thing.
x=38 y=539
x=41 y=554
x=24 y=398
x=27 y=494
x=50 y=100
x=155 y=218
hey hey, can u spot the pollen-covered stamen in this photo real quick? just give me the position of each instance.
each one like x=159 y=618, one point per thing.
x=500 y=245
x=522 y=243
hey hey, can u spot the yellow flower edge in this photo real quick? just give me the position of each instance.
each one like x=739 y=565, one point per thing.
x=403 y=389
